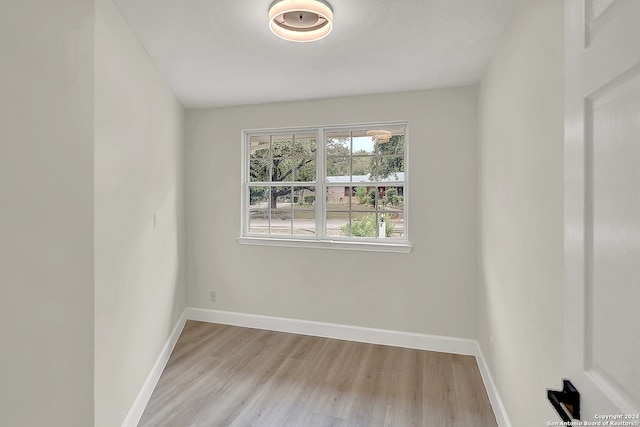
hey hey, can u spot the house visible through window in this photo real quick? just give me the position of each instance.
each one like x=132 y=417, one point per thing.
x=327 y=184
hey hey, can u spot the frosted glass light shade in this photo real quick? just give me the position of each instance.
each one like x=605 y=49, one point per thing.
x=300 y=20
x=380 y=135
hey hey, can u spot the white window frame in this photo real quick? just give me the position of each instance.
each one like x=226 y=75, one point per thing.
x=320 y=240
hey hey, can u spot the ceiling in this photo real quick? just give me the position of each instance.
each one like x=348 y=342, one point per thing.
x=221 y=52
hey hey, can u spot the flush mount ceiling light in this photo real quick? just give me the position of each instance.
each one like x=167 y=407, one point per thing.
x=380 y=135
x=300 y=20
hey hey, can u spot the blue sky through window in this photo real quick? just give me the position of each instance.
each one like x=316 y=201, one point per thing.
x=363 y=143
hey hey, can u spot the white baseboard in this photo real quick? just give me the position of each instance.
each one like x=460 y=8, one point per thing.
x=337 y=331
x=137 y=409
x=492 y=391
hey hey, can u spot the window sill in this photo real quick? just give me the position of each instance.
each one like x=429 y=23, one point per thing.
x=402 y=248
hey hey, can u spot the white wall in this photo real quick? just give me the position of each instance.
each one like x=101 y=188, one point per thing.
x=46 y=213
x=521 y=211
x=432 y=290
x=139 y=274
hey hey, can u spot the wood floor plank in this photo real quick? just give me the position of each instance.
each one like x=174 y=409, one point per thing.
x=220 y=375
x=339 y=395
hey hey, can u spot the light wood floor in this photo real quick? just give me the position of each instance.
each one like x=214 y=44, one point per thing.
x=222 y=375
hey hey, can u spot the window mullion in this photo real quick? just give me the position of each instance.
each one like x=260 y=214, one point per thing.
x=321 y=191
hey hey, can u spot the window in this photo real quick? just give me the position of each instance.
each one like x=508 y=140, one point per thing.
x=340 y=187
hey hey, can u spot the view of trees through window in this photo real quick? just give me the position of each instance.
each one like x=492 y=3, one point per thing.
x=285 y=168
x=363 y=182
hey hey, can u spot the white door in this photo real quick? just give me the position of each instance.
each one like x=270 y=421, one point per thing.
x=602 y=206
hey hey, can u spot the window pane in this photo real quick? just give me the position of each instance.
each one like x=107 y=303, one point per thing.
x=363 y=145
x=338 y=198
x=364 y=168
x=337 y=224
x=259 y=146
x=393 y=146
x=304 y=197
x=281 y=170
x=281 y=221
x=338 y=169
x=374 y=197
x=394 y=224
x=305 y=169
x=259 y=170
x=363 y=224
x=390 y=199
x=362 y=165
x=281 y=145
x=282 y=196
x=338 y=144
x=259 y=221
x=364 y=198
x=304 y=222
x=390 y=168
x=259 y=197
x=391 y=208
x=391 y=160
x=372 y=225
x=304 y=145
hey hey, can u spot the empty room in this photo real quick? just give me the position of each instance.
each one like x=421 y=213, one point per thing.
x=319 y=213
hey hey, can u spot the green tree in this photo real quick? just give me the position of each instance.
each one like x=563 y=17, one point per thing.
x=361 y=194
x=282 y=159
x=372 y=197
x=360 y=165
x=257 y=194
x=391 y=159
x=337 y=148
x=392 y=198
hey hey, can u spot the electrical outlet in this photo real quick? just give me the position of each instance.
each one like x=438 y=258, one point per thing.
x=213 y=296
